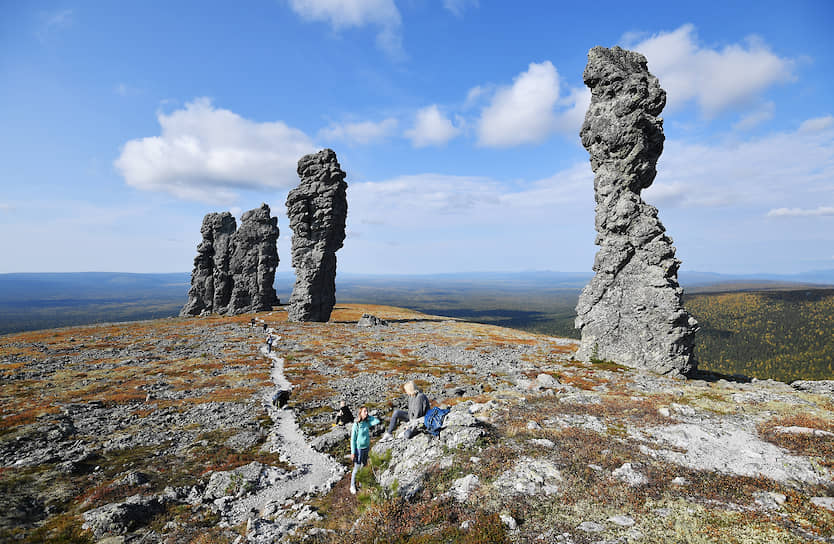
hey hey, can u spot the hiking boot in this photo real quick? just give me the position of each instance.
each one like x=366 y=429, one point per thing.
x=353 y=489
x=386 y=436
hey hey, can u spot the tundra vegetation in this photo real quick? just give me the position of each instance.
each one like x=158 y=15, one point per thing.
x=94 y=415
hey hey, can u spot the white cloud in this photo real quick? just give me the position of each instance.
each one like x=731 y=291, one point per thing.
x=755 y=118
x=817 y=125
x=357 y=13
x=360 y=132
x=784 y=169
x=525 y=112
x=800 y=212
x=457 y=7
x=716 y=79
x=204 y=153
x=431 y=128
x=5 y=207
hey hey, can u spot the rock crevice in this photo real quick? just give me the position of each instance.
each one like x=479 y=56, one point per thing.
x=631 y=311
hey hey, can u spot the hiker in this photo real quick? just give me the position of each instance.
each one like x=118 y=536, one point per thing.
x=264 y=326
x=269 y=341
x=418 y=404
x=343 y=414
x=360 y=443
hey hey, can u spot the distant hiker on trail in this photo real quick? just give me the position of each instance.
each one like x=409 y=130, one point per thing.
x=343 y=414
x=418 y=404
x=269 y=341
x=264 y=326
x=360 y=443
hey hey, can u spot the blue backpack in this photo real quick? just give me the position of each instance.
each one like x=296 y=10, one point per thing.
x=433 y=420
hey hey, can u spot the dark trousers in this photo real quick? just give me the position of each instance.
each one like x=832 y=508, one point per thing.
x=396 y=417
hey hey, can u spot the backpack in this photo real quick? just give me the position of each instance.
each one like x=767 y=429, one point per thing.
x=433 y=420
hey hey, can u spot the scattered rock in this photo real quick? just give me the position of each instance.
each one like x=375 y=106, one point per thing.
x=317 y=210
x=508 y=521
x=629 y=475
x=590 y=527
x=529 y=477
x=818 y=387
x=622 y=521
x=121 y=517
x=368 y=320
x=463 y=487
x=769 y=499
x=331 y=439
x=801 y=430
x=631 y=311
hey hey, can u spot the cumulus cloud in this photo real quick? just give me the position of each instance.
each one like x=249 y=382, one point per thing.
x=342 y=14
x=360 y=132
x=205 y=153
x=800 y=212
x=526 y=111
x=716 y=79
x=457 y=7
x=431 y=128
x=793 y=168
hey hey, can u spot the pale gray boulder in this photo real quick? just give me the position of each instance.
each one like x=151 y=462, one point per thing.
x=631 y=311
x=317 y=210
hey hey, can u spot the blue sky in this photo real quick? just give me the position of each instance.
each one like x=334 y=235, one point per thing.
x=122 y=124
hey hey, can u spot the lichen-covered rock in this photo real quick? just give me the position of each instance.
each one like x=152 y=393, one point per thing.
x=234 y=269
x=121 y=517
x=253 y=263
x=631 y=311
x=317 y=210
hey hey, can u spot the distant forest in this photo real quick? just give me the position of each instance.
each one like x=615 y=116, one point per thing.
x=784 y=335
x=762 y=330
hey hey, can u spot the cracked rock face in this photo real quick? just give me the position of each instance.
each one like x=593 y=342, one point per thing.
x=254 y=261
x=317 y=210
x=234 y=269
x=631 y=311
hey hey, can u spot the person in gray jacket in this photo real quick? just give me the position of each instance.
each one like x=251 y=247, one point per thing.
x=418 y=405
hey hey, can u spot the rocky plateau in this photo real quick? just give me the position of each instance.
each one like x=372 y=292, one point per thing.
x=187 y=430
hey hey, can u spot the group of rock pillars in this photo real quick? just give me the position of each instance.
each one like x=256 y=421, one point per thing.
x=234 y=269
x=631 y=312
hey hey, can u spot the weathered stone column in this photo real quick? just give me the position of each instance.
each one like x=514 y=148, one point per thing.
x=211 y=284
x=631 y=311
x=253 y=262
x=317 y=210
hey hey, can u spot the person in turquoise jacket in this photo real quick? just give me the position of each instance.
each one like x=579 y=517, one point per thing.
x=360 y=443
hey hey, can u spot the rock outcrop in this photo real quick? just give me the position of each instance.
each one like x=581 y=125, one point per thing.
x=317 y=210
x=631 y=311
x=254 y=261
x=211 y=285
x=234 y=269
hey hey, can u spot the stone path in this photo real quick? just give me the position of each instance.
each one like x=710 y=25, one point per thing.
x=315 y=472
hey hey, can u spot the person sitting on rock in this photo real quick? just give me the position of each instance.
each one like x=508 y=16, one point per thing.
x=360 y=443
x=343 y=414
x=418 y=405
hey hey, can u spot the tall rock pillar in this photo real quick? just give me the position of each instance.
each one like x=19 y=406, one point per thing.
x=253 y=262
x=317 y=210
x=631 y=311
x=211 y=284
